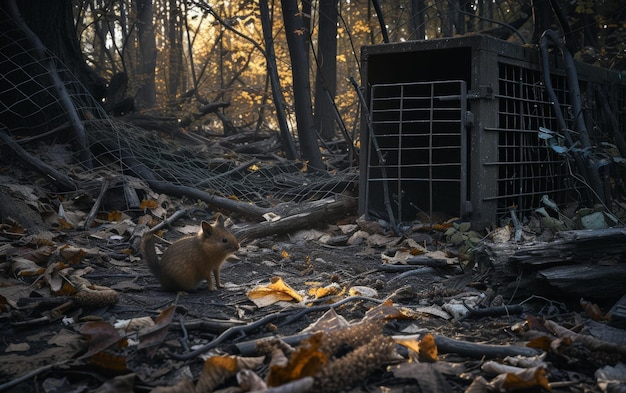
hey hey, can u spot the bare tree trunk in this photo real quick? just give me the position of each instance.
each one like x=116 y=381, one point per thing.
x=448 y=19
x=146 y=96
x=542 y=17
x=418 y=25
x=174 y=34
x=295 y=31
x=285 y=136
x=53 y=23
x=326 y=80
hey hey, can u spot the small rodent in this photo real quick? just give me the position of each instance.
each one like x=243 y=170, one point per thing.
x=191 y=259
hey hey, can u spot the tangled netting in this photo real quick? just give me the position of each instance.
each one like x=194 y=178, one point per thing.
x=40 y=96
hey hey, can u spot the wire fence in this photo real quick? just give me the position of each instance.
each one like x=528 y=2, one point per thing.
x=41 y=100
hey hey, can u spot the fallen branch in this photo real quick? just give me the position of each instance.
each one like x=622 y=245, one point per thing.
x=305 y=216
x=241 y=330
x=588 y=341
x=480 y=351
x=63 y=181
x=96 y=206
x=165 y=187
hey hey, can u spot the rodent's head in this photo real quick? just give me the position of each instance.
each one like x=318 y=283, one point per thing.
x=217 y=234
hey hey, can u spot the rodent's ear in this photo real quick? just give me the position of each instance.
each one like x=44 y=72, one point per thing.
x=206 y=228
x=220 y=220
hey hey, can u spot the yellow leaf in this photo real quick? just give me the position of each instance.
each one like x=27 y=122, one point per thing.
x=276 y=291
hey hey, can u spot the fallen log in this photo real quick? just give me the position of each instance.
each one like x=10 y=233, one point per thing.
x=588 y=281
x=298 y=217
x=589 y=263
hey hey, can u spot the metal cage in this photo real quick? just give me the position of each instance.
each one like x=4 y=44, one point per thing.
x=453 y=129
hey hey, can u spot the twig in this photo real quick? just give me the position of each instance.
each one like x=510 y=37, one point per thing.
x=96 y=206
x=496 y=311
x=241 y=330
x=31 y=374
x=413 y=272
x=184 y=340
x=168 y=221
x=326 y=307
x=518 y=226
x=228 y=333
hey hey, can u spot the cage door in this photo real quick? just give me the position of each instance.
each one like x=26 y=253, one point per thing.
x=416 y=151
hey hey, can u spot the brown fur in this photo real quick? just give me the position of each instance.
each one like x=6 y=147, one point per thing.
x=191 y=259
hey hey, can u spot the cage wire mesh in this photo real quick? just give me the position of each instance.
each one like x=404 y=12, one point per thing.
x=31 y=105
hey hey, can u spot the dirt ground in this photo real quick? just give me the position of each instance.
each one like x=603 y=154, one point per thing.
x=304 y=260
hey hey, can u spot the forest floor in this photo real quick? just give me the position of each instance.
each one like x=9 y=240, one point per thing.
x=386 y=326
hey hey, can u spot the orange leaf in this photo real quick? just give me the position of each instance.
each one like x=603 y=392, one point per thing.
x=109 y=361
x=306 y=361
x=72 y=255
x=65 y=224
x=593 y=310
x=527 y=379
x=115 y=216
x=542 y=342
x=148 y=204
x=427 y=349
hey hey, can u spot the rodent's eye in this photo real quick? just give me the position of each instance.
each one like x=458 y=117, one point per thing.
x=224 y=240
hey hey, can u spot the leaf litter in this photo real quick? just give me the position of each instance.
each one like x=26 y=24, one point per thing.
x=302 y=312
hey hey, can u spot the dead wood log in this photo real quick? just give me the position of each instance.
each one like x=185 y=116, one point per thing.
x=444 y=345
x=588 y=281
x=588 y=263
x=63 y=181
x=480 y=351
x=298 y=217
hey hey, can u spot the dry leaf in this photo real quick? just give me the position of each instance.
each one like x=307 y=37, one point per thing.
x=151 y=337
x=329 y=290
x=217 y=369
x=100 y=336
x=541 y=342
x=276 y=291
x=328 y=321
x=306 y=361
x=386 y=310
x=249 y=381
x=23 y=267
x=423 y=350
x=528 y=378
x=593 y=310
x=148 y=204
x=72 y=255
x=427 y=349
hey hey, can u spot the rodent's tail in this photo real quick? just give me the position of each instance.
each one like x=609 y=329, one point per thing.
x=149 y=253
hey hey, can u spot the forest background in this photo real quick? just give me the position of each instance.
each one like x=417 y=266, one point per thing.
x=179 y=56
